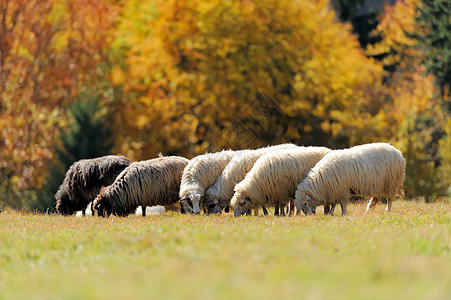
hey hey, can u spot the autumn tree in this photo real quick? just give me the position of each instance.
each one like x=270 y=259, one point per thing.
x=193 y=70
x=48 y=50
x=413 y=118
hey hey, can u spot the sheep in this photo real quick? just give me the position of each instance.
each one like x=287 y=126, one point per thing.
x=145 y=183
x=84 y=179
x=370 y=170
x=274 y=177
x=199 y=175
x=218 y=195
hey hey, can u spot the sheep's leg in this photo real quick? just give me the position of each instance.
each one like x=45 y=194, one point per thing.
x=332 y=209
x=389 y=202
x=369 y=205
x=372 y=203
x=265 y=211
x=282 y=210
x=326 y=209
x=291 y=207
x=227 y=209
x=276 y=209
x=343 y=209
x=83 y=212
x=143 y=210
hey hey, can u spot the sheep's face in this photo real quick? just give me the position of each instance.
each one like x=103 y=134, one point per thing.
x=186 y=205
x=241 y=206
x=308 y=205
x=64 y=205
x=101 y=207
x=191 y=203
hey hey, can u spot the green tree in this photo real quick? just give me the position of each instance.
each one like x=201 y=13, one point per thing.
x=87 y=136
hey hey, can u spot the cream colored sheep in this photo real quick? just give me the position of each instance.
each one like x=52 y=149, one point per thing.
x=201 y=172
x=273 y=178
x=218 y=195
x=371 y=170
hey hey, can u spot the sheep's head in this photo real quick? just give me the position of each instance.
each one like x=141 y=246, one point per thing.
x=101 y=206
x=191 y=203
x=212 y=203
x=241 y=204
x=64 y=205
x=214 y=206
x=307 y=203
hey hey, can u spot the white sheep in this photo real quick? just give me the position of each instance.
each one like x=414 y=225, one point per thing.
x=371 y=170
x=200 y=173
x=273 y=179
x=218 y=195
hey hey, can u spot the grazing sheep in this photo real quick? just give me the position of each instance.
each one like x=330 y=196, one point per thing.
x=273 y=179
x=84 y=179
x=218 y=195
x=371 y=170
x=199 y=175
x=145 y=183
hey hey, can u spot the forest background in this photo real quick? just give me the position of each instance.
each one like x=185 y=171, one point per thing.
x=85 y=78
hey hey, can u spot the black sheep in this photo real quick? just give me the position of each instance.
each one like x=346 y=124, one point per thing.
x=84 y=179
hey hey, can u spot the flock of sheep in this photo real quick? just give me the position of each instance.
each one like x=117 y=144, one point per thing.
x=282 y=176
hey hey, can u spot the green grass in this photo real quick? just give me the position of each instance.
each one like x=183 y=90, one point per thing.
x=401 y=255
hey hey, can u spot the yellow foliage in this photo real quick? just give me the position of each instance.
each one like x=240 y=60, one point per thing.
x=117 y=76
x=393 y=25
x=212 y=60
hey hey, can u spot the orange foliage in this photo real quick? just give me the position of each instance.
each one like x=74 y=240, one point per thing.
x=47 y=49
x=412 y=117
x=192 y=68
x=185 y=77
x=396 y=21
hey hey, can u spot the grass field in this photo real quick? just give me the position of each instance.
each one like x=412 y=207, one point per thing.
x=401 y=255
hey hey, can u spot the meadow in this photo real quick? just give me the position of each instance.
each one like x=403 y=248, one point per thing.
x=401 y=255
